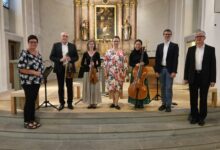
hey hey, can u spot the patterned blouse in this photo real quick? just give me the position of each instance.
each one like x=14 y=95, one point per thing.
x=115 y=64
x=29 y=61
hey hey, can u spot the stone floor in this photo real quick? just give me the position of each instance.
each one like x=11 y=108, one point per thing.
x=107 y=129
x=180 y=97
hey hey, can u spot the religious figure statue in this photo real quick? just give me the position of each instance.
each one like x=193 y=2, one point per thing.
x=85 y=30
x=126 y=30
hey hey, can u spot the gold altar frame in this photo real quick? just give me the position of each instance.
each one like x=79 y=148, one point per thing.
x=105 y=22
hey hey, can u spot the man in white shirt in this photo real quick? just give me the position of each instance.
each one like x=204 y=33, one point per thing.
x=166 y=68
x=64 y=52
x=200 y=73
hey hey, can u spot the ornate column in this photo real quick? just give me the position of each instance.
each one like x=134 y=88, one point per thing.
x=91 y=20
x=77 y=19
x=119 y=5
x=133 y=5
x=85 y=10
x=126 y=11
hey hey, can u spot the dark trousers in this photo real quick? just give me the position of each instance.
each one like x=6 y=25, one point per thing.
x=201 y=90
x=31 y=92
x=69 y=85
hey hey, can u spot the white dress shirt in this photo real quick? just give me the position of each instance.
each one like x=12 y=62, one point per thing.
x=199 y=57
x=64 y=49
x=165 y=50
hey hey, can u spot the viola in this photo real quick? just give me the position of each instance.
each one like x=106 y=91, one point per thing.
x=92 y=74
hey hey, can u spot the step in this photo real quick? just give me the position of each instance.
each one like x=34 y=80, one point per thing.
x=133 y=130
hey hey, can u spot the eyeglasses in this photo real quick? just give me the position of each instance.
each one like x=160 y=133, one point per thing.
x=33 y=42
x=167 y=34
x=200 y=36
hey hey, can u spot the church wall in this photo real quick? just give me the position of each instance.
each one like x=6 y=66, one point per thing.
x=6 y=19
x=211 y=25
x=55 y=16
x=3 y=77
x=152 y=19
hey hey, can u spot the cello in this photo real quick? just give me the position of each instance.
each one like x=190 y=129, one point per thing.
x=137 y=89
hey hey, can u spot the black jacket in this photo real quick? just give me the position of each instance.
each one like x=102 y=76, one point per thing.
x=135 y=58
x=171 y=60
x=56 y=55
x=208 y=71
x=86 y=61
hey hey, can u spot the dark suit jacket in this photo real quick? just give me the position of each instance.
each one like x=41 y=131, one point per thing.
x=208 y=71
x=171 y=60
x=56 y=55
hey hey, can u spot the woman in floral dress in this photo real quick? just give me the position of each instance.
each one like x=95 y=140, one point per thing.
x=115 y=64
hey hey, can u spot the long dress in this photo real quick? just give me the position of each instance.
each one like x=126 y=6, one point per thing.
x=91 y=92
x=115 y=62
x=134 y=59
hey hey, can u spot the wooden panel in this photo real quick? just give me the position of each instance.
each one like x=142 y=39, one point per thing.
x=151 y=61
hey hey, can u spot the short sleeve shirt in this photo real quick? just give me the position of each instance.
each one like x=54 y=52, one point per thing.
x=32 y=62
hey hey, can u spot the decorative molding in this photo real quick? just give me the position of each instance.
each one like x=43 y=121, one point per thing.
x=105 y=1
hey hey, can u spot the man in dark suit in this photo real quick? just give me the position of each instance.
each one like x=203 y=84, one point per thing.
x=200 y=73
x=166 y=68
x=62 y=53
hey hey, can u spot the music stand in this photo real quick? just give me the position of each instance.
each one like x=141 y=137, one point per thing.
x=46 y=72
x=157 y=96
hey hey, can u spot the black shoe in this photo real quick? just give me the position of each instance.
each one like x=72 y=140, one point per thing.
x=193 y=121
x=61 y=107
x=162 y=107
x=168 y=109
x=90 y=106
x=112 y=105
x=94 y=106
x=70 y=106
x=117 y=107
x=201 y=122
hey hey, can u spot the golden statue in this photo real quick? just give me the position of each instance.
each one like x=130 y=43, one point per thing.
x=126 y=30
x=85 y=30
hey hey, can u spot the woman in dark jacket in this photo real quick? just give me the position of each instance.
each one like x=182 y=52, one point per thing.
x=134 y=59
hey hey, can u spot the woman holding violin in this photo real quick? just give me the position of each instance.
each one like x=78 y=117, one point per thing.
x=138 y=59
x=91 y=86
x=115 y=65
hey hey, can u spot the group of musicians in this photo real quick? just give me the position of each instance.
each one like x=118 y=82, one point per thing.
x=200 y=73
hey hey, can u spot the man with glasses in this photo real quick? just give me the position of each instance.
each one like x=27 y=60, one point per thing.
x=166 y=68
x=200 y=73
x=62 y=53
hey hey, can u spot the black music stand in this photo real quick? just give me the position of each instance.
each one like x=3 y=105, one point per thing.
x=157 y=96
x=46 y=103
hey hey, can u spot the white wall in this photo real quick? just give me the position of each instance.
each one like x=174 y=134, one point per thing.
x=211 y=25
x=3 y=76
x=55 y=16
x=152 y=19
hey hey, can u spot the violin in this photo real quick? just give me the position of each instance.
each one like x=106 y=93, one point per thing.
x=137 y=89
x=69 y=70
x=92 y=73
